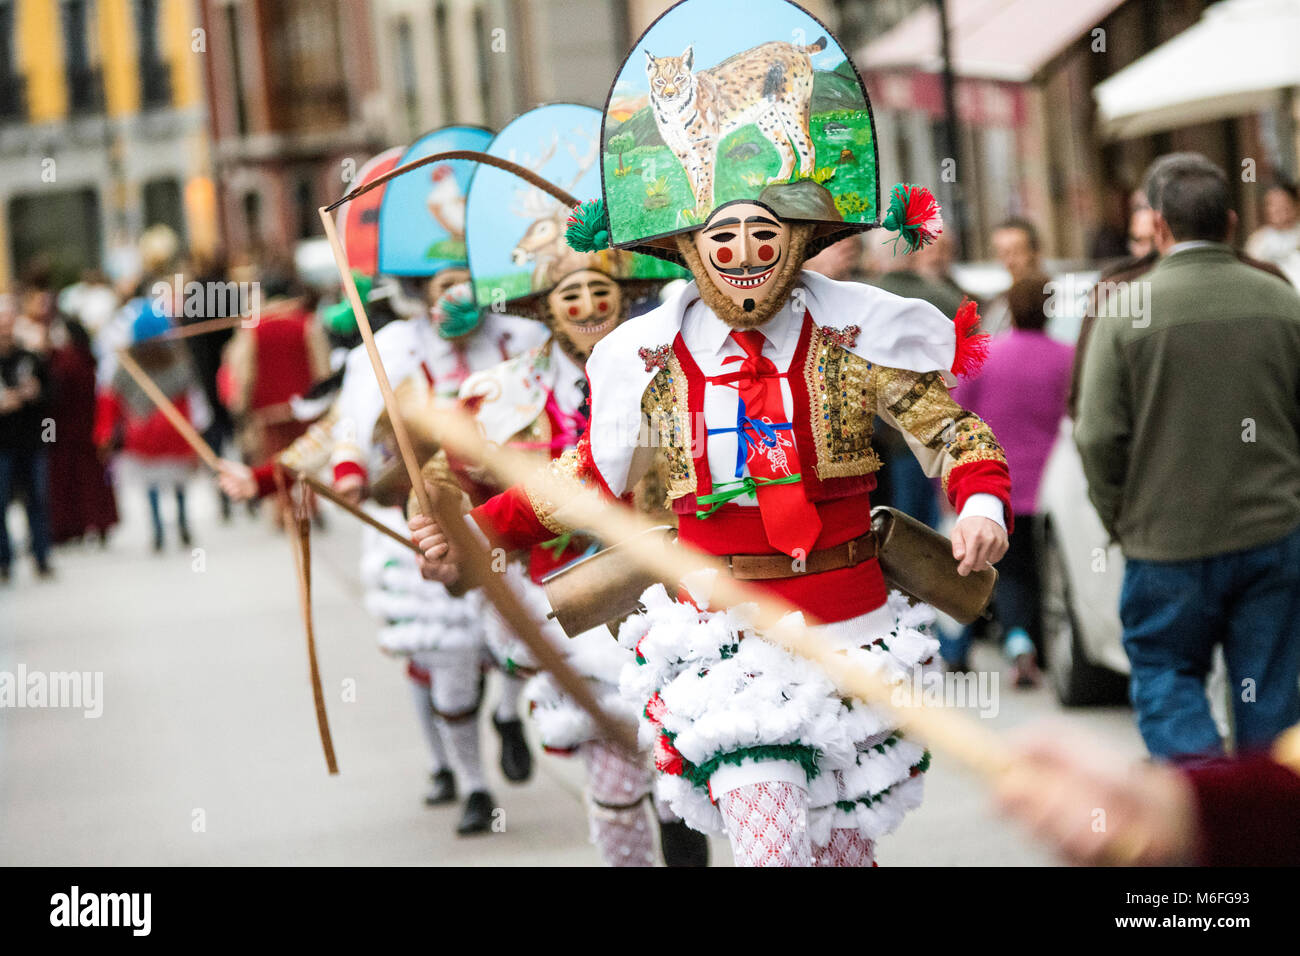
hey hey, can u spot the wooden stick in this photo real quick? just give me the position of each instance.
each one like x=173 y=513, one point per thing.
x=169 y=410
x=300 y=545
x=197 y=328
x=955 y=734
x=329 y=494
x=447 y=514
x=473 y=156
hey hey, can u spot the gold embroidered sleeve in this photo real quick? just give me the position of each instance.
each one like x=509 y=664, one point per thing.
x=311 y=450
x=940 y=432
x=566 y=467
x=441 y=480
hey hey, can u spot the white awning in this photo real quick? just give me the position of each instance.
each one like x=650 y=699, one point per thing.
x=1237 y=59
x=1009 y=40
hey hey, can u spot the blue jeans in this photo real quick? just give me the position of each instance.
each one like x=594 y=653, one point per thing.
x=1175 y=613
x=30 y=470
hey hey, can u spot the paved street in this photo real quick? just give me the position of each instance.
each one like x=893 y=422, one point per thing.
x=206 y=751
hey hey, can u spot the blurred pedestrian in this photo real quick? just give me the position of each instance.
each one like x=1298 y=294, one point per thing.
x=24 y=459
x=1187 y=433
x=210 y=274
x=1024 y=362
x=1016 y=246
x=275 y=361
x=81 y=498
x=1278 y=240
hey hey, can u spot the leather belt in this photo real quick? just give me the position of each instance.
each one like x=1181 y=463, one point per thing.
x=755 y=567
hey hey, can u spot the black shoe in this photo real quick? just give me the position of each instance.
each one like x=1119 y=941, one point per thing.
x=185 y=536
x=4 y=574
x=683 y=846
x=516 y=758
x=158 y=542
x=44 y=571
x=443 y=789
x=477 y=817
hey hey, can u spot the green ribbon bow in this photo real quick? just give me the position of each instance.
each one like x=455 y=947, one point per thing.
x=557 y=544
x=734 y=489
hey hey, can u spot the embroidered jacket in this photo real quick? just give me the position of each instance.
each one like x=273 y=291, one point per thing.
x=863 y=352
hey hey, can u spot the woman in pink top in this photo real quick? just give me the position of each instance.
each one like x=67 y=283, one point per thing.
x=1021 y=393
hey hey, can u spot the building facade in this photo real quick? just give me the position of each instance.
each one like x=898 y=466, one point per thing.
x=102 y=132
x=294 y=104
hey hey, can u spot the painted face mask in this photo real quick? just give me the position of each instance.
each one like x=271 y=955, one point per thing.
x=746 y=260
x=584 y=307
x=438 y=285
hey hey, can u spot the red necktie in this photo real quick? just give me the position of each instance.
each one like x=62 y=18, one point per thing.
x=789 y=518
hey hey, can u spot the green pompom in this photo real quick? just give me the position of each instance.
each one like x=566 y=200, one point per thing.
x=338 y=318
x=914 y=215
x=460 y=317
x=588 y=229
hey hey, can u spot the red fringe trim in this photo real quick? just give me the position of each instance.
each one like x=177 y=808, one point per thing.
x=972 y=345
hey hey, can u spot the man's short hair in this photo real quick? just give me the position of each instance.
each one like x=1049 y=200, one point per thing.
x=1191 y=193
x=1027 y=301
x=1022 y=224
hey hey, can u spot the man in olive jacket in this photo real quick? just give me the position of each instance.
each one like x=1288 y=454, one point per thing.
x=1189 y=430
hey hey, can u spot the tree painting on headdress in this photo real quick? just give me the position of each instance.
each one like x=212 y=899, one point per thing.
x=721 y=100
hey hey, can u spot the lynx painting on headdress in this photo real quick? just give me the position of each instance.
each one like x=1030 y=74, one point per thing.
x=770 y=86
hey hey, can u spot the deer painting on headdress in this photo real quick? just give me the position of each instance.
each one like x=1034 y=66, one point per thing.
x=542 y=245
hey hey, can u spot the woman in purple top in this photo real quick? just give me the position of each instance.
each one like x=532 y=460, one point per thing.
x=1021 y=392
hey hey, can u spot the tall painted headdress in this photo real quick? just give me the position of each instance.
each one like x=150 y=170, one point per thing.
x=358 y=225
x=726 y=100
x=517 y=248
x=422 y=215
x=359 y=221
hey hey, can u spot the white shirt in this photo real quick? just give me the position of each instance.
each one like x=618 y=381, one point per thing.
x=709 y=341
x=410 y=347
x=568 y=380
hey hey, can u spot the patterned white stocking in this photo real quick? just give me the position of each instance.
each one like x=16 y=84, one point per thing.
x=846 y=848
x=428 y=725
x=619 y=814
x=767 y=824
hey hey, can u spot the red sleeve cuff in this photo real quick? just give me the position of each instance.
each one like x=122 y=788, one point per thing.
x=264 y=475
x=509 y=521
x=981 y=477
x=345 y=468
x=1248 y=808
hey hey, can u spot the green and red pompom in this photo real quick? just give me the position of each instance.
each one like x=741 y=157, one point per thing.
x=914 y=215
x=588 y=229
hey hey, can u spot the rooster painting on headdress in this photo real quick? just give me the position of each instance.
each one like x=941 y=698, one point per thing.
x=446 y=202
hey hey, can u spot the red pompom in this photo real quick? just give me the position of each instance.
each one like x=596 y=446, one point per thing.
x=923 y=213
x=972 y=345
x=667 y=759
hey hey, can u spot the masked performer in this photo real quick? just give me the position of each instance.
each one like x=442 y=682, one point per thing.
x=421 y=257
x=539 y=401
x=765 y=379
